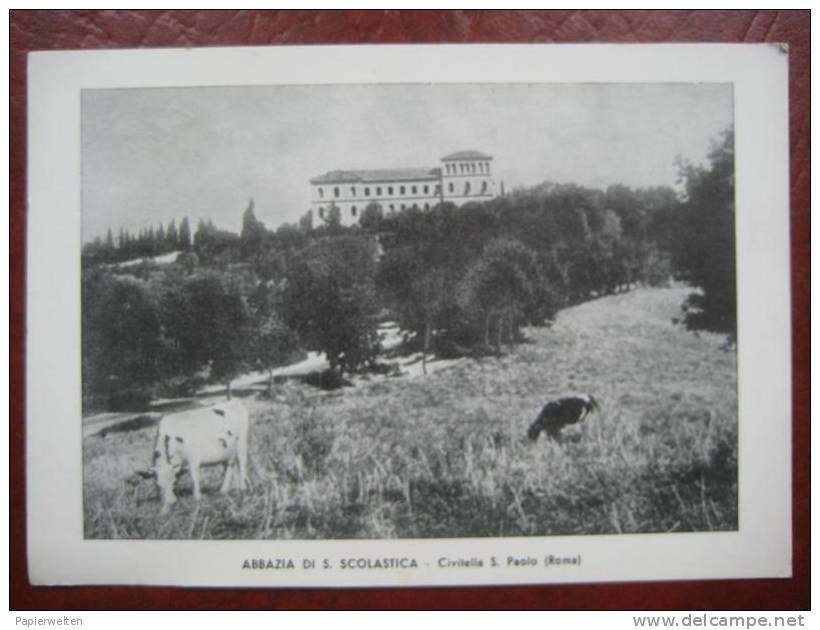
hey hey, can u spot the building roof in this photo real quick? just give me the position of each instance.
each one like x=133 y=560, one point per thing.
x=467 y=155
x=378 y=175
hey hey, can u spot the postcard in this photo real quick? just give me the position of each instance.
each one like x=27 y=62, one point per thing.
x=408 y=315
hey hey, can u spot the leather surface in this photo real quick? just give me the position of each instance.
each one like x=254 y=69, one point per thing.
x=52 y=30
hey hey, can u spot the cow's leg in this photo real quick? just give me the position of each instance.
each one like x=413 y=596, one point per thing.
x=226 y=482
x=168 y=498
x=166 y=480
x=242 y=459
x=194 y=470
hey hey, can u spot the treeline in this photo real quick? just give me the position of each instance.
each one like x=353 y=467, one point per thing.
x=701 y=239
x=471 y=276
x=149 y=242
x=146 y=243
x=459 y=281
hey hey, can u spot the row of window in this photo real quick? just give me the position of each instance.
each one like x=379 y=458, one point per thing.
x=402 y=190
x=414 y=190
x=392 y=208
x=451 y=188
x=467 y=167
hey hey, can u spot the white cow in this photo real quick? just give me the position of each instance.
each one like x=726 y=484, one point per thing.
x=198 y=437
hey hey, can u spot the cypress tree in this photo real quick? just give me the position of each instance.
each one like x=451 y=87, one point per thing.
x=185 y=234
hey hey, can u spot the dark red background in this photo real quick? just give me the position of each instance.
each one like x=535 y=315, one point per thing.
x=52 y=30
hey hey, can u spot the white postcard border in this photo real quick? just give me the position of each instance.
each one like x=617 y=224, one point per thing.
x=57 y=552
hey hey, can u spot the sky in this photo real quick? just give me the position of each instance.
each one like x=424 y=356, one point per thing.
x=152 y=155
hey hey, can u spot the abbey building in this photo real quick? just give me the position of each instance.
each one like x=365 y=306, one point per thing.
x=462 y=177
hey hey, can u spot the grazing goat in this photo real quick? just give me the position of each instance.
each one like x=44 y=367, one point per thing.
x=198 y=437
x=562 y=412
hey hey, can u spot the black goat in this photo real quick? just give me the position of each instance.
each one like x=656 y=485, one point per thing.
x=562 y=412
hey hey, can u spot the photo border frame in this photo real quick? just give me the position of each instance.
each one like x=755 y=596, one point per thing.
x=783 y=593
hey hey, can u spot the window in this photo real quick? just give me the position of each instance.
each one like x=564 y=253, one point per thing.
x=389 y=190
x=402 y=206
x=392 y=207
x=321 y=193
x=438 y=189
x=378 y=191
x=366 y=192
x=467 y=188
x=321 y=212
x=427 y=206
x=472 y=167
x=401 y=190
x=353 y=191
x=413 y=190
x=426 y=190
x=336 y=192
x=353 y=211
x=486 y=167
x=450 y=187
x=483 y=187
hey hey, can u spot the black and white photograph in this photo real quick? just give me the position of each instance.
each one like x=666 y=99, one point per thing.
x=407 y=311
x=504 y=317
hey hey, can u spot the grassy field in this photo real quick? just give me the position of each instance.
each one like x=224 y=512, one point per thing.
x=446 y=455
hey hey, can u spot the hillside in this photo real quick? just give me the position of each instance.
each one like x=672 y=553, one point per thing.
x=446 y=455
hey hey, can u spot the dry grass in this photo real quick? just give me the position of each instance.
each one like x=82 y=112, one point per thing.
x=446 y=456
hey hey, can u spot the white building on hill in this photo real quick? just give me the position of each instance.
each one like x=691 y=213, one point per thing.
x=463 y=176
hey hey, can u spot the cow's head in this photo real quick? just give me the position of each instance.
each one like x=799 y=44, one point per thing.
x=535 y=429
x=164 y=470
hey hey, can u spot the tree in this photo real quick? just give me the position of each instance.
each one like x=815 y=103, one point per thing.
x=630 y=209
x=330 y=300
x=594 y=267
x=306 y=221
x=185 y=234
x=172 y=236
x=161 y=244
x=419 y=292
x=333 y=218
x=213 y=244
x=503 y=285
x=274 y=342
x=122 y=345
x=706 y=243
x=188 y=261
x=150 y=243
x=431 y=292
x=207 y=320
x=253 y=233
x=202 y=236
x=371 y=217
